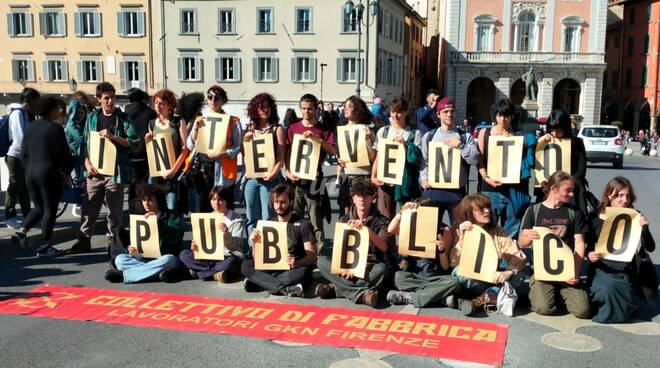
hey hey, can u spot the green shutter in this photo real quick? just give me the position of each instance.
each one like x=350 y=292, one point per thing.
x=218 y=74
x=123 y=83
x=340 y=71
x=141 y=20
x=276 y=69
x=312 y=70
x=294 y=70
x=121 y=28
x=98 y=24
x=77 y=24
x=179 y=65
x=65 y=70
x=46 y=73
x=10 y=24
x=255 y=69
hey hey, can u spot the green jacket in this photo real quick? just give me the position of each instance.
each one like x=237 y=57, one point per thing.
x=123 y=128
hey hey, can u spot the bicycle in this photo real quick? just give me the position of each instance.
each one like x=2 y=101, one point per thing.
x=73 y=193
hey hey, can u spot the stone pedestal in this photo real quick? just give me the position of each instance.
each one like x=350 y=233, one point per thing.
x=531 y=107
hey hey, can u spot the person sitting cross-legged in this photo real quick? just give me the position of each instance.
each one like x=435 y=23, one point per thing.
x=232 y=229
x=302 y=250
x=131 y=267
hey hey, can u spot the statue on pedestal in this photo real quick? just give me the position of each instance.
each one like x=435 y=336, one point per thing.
x=530 y=85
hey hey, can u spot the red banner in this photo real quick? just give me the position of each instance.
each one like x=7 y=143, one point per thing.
x=401 y=333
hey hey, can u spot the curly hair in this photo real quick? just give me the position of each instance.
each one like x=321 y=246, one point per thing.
x=166 y=96
x=361 y=112
x=151 y=190
x=263 y=100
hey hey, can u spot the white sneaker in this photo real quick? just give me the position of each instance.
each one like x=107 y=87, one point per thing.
x=12 y=223
x=75 y=211
x=295 y=291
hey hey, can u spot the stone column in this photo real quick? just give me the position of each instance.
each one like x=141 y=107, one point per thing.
x=545 y=93
x=590 y=99
x=503 y=86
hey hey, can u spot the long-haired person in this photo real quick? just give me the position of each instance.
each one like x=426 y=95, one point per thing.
x=76 y=114
x=615 y=284
x=264 y=120
x=569 y=224
x=48 y=162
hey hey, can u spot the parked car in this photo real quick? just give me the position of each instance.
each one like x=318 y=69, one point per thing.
x=603 y=143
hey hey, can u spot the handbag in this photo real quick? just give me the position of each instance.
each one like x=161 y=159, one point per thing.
x=506 y=299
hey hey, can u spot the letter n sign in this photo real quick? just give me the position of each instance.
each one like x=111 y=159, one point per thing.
x=444 y=166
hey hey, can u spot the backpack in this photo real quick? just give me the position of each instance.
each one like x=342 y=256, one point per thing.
x=428 y=136
x=5 y=139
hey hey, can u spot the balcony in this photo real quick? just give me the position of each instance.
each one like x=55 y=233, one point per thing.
x=473 y=57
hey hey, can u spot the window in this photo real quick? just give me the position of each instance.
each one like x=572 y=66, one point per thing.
x=22 y=70
x=228 y=68
x=20 y=24
x=347 y=69
x=303 y=20
x=132 y=74
x=648 y=13
x=484 y=26
x=628 y=77
x=349 y=21
x=265 y=69
x=647 y=40
x=631 y=16
x=226 y=21
x=55 y=71
x=52 y=23
x=88 y=24
x=572 y=33
x=526 y=31
x=130 y=23
x=90 y=71
x=265 y=20
x=190 y=69
x=482 y=38
x=303 y=69
x=188 y=21
x=631 y=46
x=644 y=76
x=569 y=39
x=386 y=24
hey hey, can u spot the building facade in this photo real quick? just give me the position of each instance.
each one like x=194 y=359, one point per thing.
x=414 y=46
x=613 y=47
x=61 y=46
x=489 y=45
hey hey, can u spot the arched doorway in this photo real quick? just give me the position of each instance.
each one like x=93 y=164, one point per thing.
x=480 y=98
x=629 y=117
x=518 y=92
x=645 y=116
x=566 y=96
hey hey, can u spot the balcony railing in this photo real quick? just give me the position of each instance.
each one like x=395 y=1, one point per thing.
x=468 y=57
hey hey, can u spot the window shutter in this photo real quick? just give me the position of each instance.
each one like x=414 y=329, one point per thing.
x=30 y=71
x=194 y=27
x=29 y=22
x=255 y=69
x=10 y=24
x=181 y=22
x=237 y=69
x=276 y=69
x=361 y=70
x=218 y=75
x=98 y=25
x=123 y=85
x=99 y=71
x=142 y=73
x=46 y=74
x=294 y=69
x=141 y=20
x=42 y=23
x=179 y=64
x=120 y=24
x=79 y=71
x=65 y=70
x=14 y=70
x=77 y=24
x=61 y=24
x=340 y=71
x=219 y=27
x=312 y=70
x=199 y=67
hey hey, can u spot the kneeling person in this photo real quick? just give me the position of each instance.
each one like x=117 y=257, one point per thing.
x=131 y=267
x=302 y=250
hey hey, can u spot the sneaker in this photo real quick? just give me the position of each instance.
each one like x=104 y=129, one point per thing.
x=250 y=286
x=80 y=246
x=451 y=301
x=193 y=274
x=76 y=211
x=220 y=277
x=12 y=223
x=19 y=239
x=325 y=291
x=399 y=297
x=369 y=297
x=114 y=276
x=48 y=250
x=466 y=306
x=167 y=276
x=296 y=291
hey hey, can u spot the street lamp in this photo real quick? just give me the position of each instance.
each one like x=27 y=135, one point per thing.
x=323 y=65
x=349 y=8
x=73 y=85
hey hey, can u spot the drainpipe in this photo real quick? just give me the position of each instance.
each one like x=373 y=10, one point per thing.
x=656 y=59
x=162 y=42
x=151 y=47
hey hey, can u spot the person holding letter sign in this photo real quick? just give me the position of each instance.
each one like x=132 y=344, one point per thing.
x=391 y=196
x=131 y=267
x=569 y=225
x=264 y=120
x=509 y=201
x=615 y=284
x=356 y=113
x=474 y=210
x=309 y=196
x=381 y=263
x=114 y=125
x=232 y=228
x=423 y=281
x=449 y=135
x=302 y=250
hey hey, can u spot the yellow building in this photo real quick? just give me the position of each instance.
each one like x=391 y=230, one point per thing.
x=61 y=46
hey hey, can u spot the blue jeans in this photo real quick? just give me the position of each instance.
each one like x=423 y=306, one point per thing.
x=139 y=269
x=507 y=213
x=257 y=201
x=478 y=287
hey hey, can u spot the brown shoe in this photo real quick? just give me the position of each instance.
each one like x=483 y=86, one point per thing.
x=369 y=297
x=487 y=301
x=325 y=291
x=220 y=276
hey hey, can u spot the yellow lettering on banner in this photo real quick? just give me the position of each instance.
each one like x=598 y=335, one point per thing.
x=148 y=304
x=402 y=326
x=376 y=337
x=117 y=301
x=295 y=316
x=333 y=317
x=195 y=319
x=431 y=344
x=190 y=305
x=168 y=305
x=485 y=335
x=455 y=330
x=98 y=300
x=425 y=327
x=333 y=332
x=378 y=324
x=177 y=318
x=357 y=322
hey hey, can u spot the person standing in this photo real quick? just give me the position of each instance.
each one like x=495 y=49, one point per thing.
x=48 y=162
x=20 y=114
x=111 y=123
x=426 y=115
x=77 y=111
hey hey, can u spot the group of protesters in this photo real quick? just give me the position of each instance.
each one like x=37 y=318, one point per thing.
x=50 y=150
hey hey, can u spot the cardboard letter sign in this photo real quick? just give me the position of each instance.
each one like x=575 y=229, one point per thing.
x=259 y=156
x=305 y=155
x=350 y=251
x=620 y=235
x=550 y=158
x=144 y=235
x=160 y=154
x=212 y=136
x=444 y=166
x=505 y=158
x=102 y=154
x=479 y=258
x=553 y=259
x=209 y=239
x=352 y=143
x=417 y=236
x=271 y=251
x=391 y=161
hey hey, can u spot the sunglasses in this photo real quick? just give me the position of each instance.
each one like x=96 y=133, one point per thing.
x=213 y=98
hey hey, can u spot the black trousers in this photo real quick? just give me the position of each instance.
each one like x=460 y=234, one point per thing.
x=45 y=190
x=275 y=281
